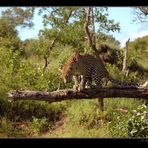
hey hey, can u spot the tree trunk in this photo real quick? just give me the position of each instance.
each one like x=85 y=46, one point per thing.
x=69 y=94
x=124 y=68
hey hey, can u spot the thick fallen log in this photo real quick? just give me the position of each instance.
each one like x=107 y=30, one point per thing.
x=68 y=94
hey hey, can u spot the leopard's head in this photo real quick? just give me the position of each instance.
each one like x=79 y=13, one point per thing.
x=68 y=69
x=67 y=73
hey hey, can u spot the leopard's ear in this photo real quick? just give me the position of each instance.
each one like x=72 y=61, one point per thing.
x=74 y=50
x=60 y=69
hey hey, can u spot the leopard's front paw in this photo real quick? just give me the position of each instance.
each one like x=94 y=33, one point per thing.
x=75 y=88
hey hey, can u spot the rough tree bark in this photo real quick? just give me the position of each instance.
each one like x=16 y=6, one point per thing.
x=91 y=35
x=69 y=94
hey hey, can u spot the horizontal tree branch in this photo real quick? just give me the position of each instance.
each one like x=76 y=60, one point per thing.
x=69 y=94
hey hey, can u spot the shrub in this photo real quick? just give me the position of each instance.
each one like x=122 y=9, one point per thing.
x=6 y=129
x=38 y=125
x=138 y=123
x=118 y=126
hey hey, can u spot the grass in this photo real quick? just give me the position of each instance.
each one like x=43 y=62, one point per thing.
x=80 y=132
x=70 y=119
x=83 y=119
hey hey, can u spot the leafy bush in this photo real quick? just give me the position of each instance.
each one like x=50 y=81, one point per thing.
x=138 y=123
x=118 y=125
x=5 y=107
x=25 y=110
x=39 y=125
x=6 y=129
x=132 y=124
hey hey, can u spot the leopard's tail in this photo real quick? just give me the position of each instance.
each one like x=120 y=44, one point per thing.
x=127 y=85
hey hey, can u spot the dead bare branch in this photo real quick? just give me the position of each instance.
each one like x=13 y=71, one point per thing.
x=144 y=10
x=69 y=94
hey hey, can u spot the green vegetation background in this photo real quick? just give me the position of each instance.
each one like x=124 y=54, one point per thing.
x=21 y=68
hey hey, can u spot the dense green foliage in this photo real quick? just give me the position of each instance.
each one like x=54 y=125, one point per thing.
x=22 y=68
x=138 y=123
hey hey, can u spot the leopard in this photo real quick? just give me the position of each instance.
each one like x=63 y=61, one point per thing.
x=84 y=69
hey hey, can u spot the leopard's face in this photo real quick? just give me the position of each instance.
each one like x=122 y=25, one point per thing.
x=67 y=73
x=69 y=69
